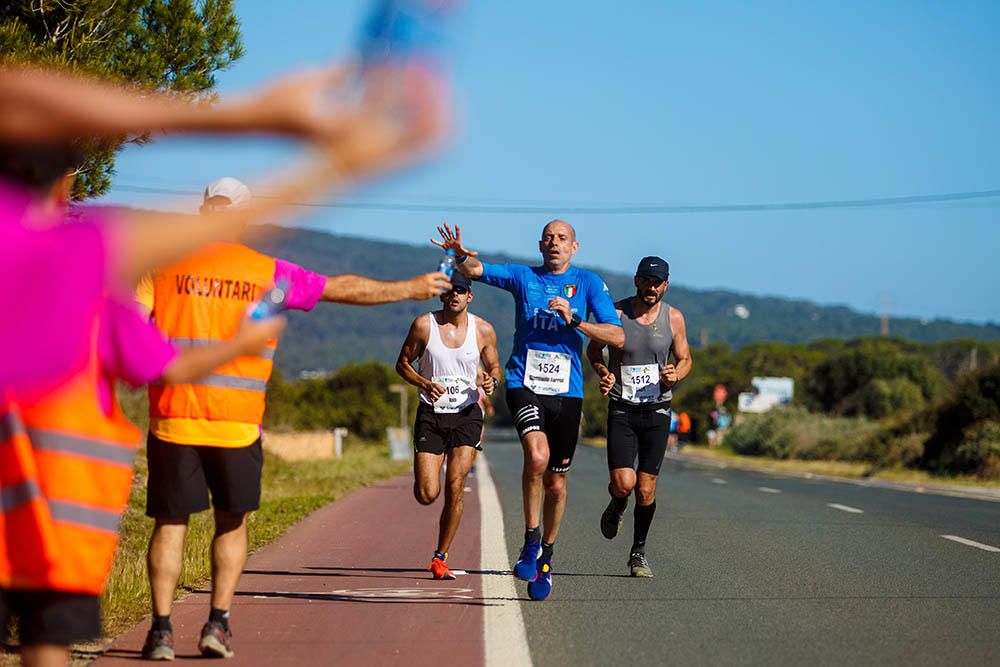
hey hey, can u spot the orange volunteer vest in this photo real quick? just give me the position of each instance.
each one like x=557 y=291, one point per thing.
x=65 y=476
x=203 y=300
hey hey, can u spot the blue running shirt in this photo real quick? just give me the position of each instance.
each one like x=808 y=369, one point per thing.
x=541 y=338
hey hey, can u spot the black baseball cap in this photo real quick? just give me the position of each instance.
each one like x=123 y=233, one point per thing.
x=653 y=266
x=459 y=279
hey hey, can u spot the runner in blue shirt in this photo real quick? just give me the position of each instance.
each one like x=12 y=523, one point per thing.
x=544 y=376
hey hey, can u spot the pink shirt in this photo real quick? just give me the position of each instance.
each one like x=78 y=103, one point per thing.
x=130 y=348
x=305 y=288
x=51 y=283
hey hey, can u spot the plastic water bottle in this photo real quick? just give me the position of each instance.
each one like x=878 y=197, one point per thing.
x=272 y=303
x=405 y=30
x=448 y=263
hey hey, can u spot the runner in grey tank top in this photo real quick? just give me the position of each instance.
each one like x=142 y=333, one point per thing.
x=639 y=379
x=647 y=350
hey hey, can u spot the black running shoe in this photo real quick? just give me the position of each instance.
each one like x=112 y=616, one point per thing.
x=612 y=519
x=159 y=645
x=639 y=566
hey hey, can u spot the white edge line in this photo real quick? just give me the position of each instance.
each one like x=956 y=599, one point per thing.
x=845 y=508
x=716 y=480
x=768 y=489
x=971 y=543
x=504 y=637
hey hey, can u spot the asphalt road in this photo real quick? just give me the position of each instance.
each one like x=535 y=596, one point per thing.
x=759 y=569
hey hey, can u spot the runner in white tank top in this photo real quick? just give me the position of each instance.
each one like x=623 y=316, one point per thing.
x=457 y=354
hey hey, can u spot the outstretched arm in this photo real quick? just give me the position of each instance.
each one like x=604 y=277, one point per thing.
x=468 y=264
x=413 y=347
x=361 y=291
x=45 y=105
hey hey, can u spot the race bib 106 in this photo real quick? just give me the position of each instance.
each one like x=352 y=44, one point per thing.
x=641 y=384
x=547 y=373
x=456 y=393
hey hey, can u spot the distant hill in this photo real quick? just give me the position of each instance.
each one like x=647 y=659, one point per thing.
x=333 y=335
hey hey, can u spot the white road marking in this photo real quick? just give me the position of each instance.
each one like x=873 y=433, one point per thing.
x=971 y=543
x=459 y=573
x=503 y=626
x=767 y=489
x=468 y=489
x=716 y=480
x=845 y=508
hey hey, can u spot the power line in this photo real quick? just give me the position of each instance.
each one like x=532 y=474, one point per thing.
x=617 y=209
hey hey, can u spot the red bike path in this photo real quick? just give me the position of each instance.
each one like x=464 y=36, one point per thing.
x=348 y=586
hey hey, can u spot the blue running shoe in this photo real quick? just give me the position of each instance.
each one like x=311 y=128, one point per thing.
x=540 y=588
x=526 y=567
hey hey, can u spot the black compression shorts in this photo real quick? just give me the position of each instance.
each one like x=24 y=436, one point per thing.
x=638 y=431
x=435 y=433
x=556 y=416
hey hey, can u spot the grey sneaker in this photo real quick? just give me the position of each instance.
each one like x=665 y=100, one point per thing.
x=215 y=641
x=159 y=645
x=612 y=519
x=639 y=566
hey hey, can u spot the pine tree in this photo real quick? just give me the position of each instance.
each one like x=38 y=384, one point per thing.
x=170 y=45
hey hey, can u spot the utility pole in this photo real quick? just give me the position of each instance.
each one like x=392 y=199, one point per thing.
x=402 y=391
x=704 y=338
x=973 y=359
x=885 y=315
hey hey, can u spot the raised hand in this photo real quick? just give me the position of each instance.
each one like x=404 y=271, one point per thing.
x=453 y=241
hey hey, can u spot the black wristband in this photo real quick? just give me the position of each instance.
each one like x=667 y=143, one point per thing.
x=575 y=321
x=462 y=259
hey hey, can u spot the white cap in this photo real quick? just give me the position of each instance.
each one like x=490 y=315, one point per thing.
x=232 y=189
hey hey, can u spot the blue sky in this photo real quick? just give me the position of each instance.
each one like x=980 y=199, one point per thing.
x=591 y=103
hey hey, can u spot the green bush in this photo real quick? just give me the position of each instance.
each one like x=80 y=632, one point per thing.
x=794 y=433
x=962 y=420
x=880 y=398
x=980 y=451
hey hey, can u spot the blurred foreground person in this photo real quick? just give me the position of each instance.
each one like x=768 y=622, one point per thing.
x=45 y=109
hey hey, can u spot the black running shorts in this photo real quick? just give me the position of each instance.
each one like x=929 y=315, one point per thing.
x=435 y=433
x=182 y=476
x=558 y=417
x=50 y=617
x=638 y=431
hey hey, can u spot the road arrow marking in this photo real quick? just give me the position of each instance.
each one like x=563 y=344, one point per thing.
x=971 y=543
x=845 y=508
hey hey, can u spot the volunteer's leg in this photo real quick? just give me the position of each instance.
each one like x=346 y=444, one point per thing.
x=164 y=559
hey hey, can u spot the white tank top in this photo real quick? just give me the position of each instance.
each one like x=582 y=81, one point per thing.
x=455 y=369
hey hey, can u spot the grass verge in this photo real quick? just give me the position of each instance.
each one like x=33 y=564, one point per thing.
x=290 y=491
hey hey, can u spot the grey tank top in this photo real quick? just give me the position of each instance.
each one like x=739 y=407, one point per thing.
x=647 y=350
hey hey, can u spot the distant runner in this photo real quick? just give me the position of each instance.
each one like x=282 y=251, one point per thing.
x=640 y=381
x=544 y=375
x=450 y=343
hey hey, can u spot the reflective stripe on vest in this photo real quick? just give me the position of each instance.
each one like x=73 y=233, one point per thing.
x=73 y=444
x=13 y=497
x=90 y=517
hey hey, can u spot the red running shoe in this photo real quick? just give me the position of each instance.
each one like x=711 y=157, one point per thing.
x=440 y=569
